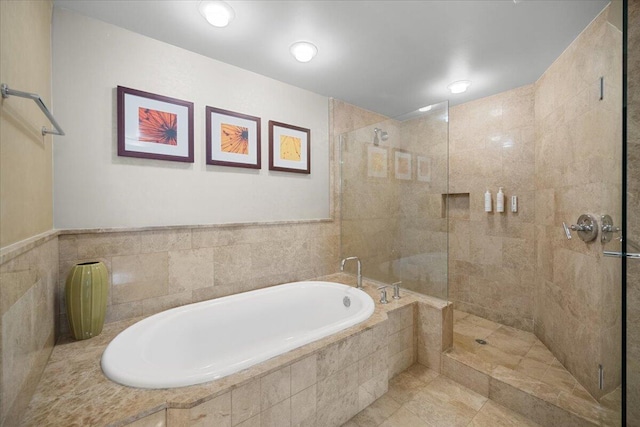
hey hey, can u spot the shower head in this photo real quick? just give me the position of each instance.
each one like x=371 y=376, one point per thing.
x=379 y=134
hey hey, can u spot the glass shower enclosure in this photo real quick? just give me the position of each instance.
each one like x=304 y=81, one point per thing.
x=394 y=182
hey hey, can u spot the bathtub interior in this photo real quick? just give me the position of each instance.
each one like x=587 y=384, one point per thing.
x=205 y=341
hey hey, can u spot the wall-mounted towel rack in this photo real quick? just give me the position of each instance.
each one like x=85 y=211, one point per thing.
x=6 y=92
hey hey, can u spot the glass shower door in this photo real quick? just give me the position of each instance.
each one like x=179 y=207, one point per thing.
x=394 y=182
x=631 y=229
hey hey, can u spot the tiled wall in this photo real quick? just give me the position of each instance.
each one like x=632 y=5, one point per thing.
x=326 y=388
x=555 y=146
x=578 y=170
x=151 y=271
x=27 y=289
x=633 y=210
x=491 y=255
x=421 y=240
x=369 y=205
x=397 y=227
x=434 y=334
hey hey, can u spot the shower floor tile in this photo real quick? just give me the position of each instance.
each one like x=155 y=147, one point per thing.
x=420 y=397
x=519 y=359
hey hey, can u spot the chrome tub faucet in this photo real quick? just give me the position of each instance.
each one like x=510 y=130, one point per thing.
x=359 y=286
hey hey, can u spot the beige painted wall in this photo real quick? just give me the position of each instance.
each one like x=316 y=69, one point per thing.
x=90 y=62
x=25 y=155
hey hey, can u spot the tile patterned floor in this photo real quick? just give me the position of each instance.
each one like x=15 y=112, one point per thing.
x=420 y=397
x=519 y=358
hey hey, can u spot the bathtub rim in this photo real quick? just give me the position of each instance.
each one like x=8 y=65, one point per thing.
x=128 y=379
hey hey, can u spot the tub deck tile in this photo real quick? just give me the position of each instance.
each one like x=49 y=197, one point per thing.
x=74 y=391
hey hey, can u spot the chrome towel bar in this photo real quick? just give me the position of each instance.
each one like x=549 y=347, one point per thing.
x=6 y=92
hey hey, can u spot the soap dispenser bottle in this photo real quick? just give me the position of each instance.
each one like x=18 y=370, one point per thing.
x=500 y=201
x=487 y=201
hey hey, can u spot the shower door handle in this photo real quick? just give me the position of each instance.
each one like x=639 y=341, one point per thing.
x=620 y=254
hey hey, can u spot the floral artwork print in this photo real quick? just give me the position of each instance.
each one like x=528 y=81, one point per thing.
x=290 y=148
x=378 y=162
x=403 y=166
x=157 y=126
x=234 y=139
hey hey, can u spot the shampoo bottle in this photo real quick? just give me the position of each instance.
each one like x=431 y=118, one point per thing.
x=500 y=201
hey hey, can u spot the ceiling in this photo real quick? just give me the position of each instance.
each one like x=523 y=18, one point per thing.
x=390 y=57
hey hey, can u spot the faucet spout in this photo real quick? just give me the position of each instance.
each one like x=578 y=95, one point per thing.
x=359 y=277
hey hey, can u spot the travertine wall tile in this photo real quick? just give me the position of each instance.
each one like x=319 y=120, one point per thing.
x=167 y=240
x=303 y=407
x=336 y=357
x=337 y=412
x=215 y=412
x=151 y=271
x=159 y=419
x=278 y=415
x=245 y=402
x=251 y=422
x=155 y=305
x=190 y=269
x=108 y=244
x=303 y=373
x=434 y=330
x=577 y=171
x=27 y=331
x=137 y=277
x=395 y=226
x=275 y=387
x=492 y=145
x=465 y=375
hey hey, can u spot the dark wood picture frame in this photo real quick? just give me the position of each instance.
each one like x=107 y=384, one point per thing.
x=277 y=164
x=252 y=138
x=176 y=131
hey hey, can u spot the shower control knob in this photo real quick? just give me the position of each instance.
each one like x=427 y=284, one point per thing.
x=587 y=228
x=608 y=229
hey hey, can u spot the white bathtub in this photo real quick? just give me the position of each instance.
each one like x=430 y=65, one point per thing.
x=204 y=341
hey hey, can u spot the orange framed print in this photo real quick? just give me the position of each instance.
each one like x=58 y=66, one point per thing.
x=233 y=139
x=153 y=126
x=402 y=163
x=289 y=148
x=423 y=168
x=377 y=163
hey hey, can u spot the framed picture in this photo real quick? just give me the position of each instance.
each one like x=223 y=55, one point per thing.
x=377 y=161
x=402 y=164
x=424 y=168
x=233 y=139
x=289 y=148
x=152 y=126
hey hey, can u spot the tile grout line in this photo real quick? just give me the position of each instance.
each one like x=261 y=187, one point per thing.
x=478 y=412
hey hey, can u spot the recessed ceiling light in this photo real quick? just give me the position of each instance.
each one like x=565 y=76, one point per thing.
x=425 y=109
x=303 y=51
x=459 y=86
x=216 y=12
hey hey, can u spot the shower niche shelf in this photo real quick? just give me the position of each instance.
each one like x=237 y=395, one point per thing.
x=457 y=204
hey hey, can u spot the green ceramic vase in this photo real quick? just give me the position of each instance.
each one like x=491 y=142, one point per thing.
x=86 y=297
